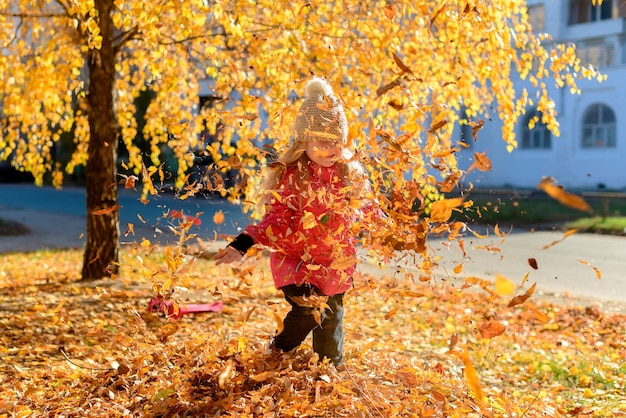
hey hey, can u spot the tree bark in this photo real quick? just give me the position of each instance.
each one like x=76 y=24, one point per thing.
x=101 y=254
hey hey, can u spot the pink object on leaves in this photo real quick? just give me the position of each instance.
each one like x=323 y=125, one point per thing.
x=174 y=312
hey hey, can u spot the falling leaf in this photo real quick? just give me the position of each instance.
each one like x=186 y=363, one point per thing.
x=401 y=65
x=482 y=162
x=504 y=286
x=525 y=278
x=105 y=211
x=441 y=210
x=391 y=313
x=454 y=339
x=449 y=183
x=540 y=316
x=518 y=300
x=308 y=220
x=533 y=263
x=384 y=89
x=490 y=329
x=445 y=153
x=547 y=184
x=567 y=234
x=471 y=376
x=218 y=217
x=598 y=272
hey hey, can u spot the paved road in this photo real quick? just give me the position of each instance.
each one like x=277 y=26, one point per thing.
x=147 y=218
x=571 y=266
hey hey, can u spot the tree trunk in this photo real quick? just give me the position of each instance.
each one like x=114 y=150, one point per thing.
x=102 y=248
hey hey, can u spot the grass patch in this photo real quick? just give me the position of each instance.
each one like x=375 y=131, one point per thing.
x=611 y=225
x=536 y=208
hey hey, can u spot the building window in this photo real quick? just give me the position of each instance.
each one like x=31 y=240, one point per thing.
x=536 y=17
x=535 y=134
x=583 y=11
x=599 y=127
x=600 y=55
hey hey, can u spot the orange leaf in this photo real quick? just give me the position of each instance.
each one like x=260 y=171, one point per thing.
x=106 y=210
x=525 y=278
x=598 y=272
x=391 y=313
x=540 y=316
x=471 y=376
x=453 y=341
x=567 y=234
x=481 y=162
x=547 y=184
x=458 y=268
x=450 y=182
x=218 y=217
x=518 y=300
x=390 y=11
x=441 y=210
x=445 y=153
x=490 y=329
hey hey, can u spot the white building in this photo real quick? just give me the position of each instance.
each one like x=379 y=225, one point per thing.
x=590 y=152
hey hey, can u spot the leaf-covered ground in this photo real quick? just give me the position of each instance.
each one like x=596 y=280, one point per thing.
x=93 y=349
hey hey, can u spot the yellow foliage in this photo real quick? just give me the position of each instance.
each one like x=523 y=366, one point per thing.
x=404 y=72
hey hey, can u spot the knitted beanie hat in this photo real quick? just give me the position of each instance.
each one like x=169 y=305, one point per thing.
x=321 y=116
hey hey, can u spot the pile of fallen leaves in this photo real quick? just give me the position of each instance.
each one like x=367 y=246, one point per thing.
x=95 y=349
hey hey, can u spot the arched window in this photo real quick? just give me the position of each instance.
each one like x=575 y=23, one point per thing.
x=535 y=134
x=599 y=127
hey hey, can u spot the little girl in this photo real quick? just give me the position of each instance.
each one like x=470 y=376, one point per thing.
x=312 y=197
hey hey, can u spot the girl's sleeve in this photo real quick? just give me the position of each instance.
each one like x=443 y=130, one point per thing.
x=276 y=223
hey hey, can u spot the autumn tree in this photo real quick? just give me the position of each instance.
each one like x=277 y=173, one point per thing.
x=408 y=72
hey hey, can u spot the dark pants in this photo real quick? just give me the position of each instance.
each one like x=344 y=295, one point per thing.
x=300 y=321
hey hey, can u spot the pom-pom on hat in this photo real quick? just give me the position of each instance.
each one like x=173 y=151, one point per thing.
x=321 y=116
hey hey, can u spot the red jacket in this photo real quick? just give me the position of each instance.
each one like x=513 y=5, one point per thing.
x=310 y=232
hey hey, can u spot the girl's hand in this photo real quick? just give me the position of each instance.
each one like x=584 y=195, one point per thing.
x=227 y=255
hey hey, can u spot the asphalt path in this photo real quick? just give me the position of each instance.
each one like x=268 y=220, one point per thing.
x=579 y=265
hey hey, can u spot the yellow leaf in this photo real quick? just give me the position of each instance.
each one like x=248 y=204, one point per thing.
x=308 y=220
x=343 y=263
x=504 y=286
